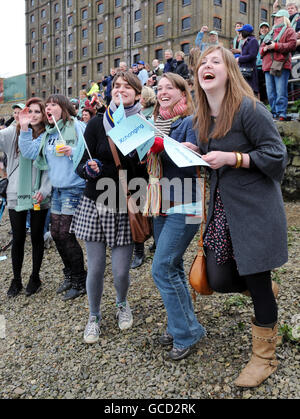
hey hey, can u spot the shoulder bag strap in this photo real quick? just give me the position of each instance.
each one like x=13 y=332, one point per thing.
x=204 y=217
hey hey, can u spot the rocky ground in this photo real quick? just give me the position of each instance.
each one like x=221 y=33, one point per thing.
x=43 y=355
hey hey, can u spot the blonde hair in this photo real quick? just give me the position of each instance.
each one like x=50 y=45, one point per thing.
x=236 y=89
x=148 y=96
x=287 y=22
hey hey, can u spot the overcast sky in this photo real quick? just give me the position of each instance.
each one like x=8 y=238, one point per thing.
x=12 y=38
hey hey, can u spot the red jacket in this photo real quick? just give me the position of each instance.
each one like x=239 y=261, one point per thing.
x=286 y=44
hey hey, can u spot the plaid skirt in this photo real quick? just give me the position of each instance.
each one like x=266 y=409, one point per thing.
x=97 y=223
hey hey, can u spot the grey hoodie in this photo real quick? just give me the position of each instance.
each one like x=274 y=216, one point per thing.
x=8 y=138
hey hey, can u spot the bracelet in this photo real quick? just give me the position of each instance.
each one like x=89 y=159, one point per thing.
x=239 y=159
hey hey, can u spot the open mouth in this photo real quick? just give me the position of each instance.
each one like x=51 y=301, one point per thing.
x=208 y=76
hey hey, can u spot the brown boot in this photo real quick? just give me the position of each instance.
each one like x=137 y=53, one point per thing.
x=275 y=290
x=263 y=360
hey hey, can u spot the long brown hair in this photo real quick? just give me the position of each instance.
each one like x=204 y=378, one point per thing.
x=41 y=128
x=236 y=89
x=179 y=83
x=66 y=106
x=131 y=79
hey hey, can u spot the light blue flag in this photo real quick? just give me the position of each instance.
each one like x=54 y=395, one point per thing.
x=144 y=148
x=130 y=134
x=119 y=114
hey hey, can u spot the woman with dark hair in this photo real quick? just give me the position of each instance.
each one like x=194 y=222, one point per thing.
x=29 y=189
x=247 y=59
x=50 y=153
x=173 y=223
x=87 y=114
x=100 y=222
x=246 y=231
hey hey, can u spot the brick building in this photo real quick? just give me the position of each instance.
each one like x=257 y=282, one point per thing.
x=70 y=42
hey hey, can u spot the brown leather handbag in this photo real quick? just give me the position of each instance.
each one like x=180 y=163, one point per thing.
x=198 y=276
x=140 y=226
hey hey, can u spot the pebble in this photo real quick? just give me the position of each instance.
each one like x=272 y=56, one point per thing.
x=44 y=356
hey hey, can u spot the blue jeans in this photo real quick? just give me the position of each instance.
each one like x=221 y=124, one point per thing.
x=172 y=237
x=277 y=91
x=65 y=200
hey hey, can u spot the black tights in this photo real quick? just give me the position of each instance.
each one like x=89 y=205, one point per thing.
x=66 y=243
x=18 y=224
x=225 y=278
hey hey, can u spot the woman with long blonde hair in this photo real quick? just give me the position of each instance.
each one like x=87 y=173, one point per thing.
x=246 y=232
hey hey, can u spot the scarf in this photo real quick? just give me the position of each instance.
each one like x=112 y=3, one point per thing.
x=154 y=164
x=269 y=36
x=68 y=133
x=108 y=120
x=25 y=190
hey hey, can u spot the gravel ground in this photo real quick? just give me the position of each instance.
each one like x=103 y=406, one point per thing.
x=43 y=355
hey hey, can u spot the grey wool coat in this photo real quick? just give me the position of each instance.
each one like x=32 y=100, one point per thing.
x=252 y=197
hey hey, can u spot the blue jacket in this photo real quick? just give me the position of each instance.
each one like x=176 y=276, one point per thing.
x=181 y=131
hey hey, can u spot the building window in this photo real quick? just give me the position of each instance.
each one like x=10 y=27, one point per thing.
x=44 y=30
x=118 y=22
x=186 y=3
x=33 y=50
x=70 y=55
x=118 y=3
x=264 y=15
x=217 y=23
x=160 y=7
x=57 y=58
x=44 y=46
x=117 y=62
x=69 y=91
x=33 y=65
x=138 y=15
x=138 y=36
x=44 y=62
x=186 y=23
x=44 y=79
x=159 y=54
x=57 y=42
x=159 y=30
x=84 y=33
x=118 y=42
x=32 y=81
x=100 y=8
x=70 y=38
x=84 y=51
x=186 y=48
x=56 y=76
x=56 y=25
x=32 y=34
x=84 y=70
x=70 y=73
x=70 y=20
x=43 y=13
x=99 y=67
x=100 y=27
x=56 y=8
x=84 y=14
x=136 y=58
x=218 y=2
x=69 y=3
x=32 y=18
x=243 y=7
x=100 y=47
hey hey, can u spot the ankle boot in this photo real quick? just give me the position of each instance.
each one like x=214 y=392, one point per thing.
x=77 y=287
x=263 y=360
x=33 y=285
x=275 y=289
x=15 y=287
x=67 y=284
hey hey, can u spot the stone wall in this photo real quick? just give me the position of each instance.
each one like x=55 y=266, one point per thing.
x=290 y=133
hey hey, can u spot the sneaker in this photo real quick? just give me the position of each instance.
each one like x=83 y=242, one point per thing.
x=124 y=316
x=176 y=354
x=165 y=339
x=92 y=330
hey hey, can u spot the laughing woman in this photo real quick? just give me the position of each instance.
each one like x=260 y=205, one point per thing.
x=174 y=227
x=27 y=185
x=246 y=232
x=67 y=185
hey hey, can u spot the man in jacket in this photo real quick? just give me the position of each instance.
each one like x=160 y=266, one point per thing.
x=278 y=45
